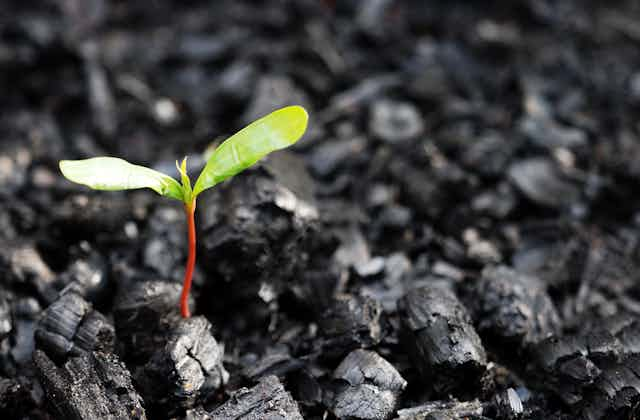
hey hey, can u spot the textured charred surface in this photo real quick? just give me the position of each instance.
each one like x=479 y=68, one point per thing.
x=351 y=322
x=144 y=313
x=367 y=387
x=267 y=400
x=513 y=307
x=443 y=342
x=95 y=385
x=71 y=327
x=189 y=366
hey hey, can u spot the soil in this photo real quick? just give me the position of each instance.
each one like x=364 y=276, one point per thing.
x=456 y=236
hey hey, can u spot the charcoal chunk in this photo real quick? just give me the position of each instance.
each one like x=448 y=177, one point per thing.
x=541 y=182
x=371 y=387
x=144 y=312
x=443 y=410
x=351 y=322
x=264 y=219
x=187 y=367
x=6 y=323
x=86 y=276
x=443 y=343
x=165 y=248
x=273 y=92
x=268 y=400
x=395 y=122
x=84 y=216
x=93 y=386
x=514 y=308
x=21 y=265
x=70 y=327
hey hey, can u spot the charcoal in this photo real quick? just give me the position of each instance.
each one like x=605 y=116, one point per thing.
x=368 y=387
x=547 y=133
x=25 y=313
x=330 y=155
x=443 y=343
x=351 y=322
x=507 y=405
x=6 y=324
x=19 y=398
x=488 y=155
x=87 y=277
x=165 y=250
x=188 y=367
x=95 y=385
x=395 y=122
x=361 y=94
x=276 y=361
x=267 y=400
x=101 y=98
x=263 y=218
x=273 y=92
x=22 y=265
x=420 y=189
x=443 y=410
x=87 y=216
x=71 y=327
x=541 y=182
x=143 y=311
x=513 y=308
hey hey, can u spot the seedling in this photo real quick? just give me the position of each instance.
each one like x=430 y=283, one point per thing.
x=278 y=130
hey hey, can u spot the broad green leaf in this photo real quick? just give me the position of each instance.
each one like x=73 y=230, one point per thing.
x=113 y=174
x=275 y=131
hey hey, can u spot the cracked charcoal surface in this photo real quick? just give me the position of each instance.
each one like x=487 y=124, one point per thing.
x=442 y=340
x=95 y=385
x=187 y=367
x=514 y=307
x=71 y=327
x=266 y=400
x=368 y=387
x=492 y=148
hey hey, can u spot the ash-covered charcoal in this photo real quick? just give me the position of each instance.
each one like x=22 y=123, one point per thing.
x=513 y=308
x=331 y=155
x=188 y=367
x=267 y=400
x=264 y=219
x=87 y=276
x=443 y=410
x=22 y=266
x=541 y=181
x=350 y=322
x=366 y=387
x=395 y=122
x=273 y=92
x=6 y=323
x=165 y=248
x=547 y=133
x=93 y=386
x=442 y=341
x=144 y=312
x=70 y=327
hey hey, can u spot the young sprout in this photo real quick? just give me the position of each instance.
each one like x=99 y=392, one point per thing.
x=278 y=130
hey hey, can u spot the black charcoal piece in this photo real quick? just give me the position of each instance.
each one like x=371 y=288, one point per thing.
x=507 y=405
x=19 y=398
x=70 y=327
x=368 y=387
x=351 y=322
x=395 y=122
x=6 y=323
x=513 y=308
x=540 y=180
x=144 y=311
x=93 y=386
x=86 y=215
x=265 y=219
x=87 y=277
x=22 y=266
x=547 y=133
x=330 y=155
x=443 y=410
x=268 y=400
x=25 y=313
x=419 y=188
x=187 y=367
x=442 y=342
x=273 y=92
x=166 y=246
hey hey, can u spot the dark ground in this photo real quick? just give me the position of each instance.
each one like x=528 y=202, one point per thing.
x=464 y=207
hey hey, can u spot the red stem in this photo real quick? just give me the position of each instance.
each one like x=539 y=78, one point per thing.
x=190 y=210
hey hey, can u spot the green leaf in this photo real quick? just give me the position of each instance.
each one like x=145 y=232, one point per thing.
x=113 y=174
x=278 y=130
x=187 y=193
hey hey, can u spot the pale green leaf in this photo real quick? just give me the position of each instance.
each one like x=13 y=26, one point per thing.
x=113 y=174
x=278 y=130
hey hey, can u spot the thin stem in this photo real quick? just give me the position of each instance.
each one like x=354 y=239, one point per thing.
x=190 y=210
